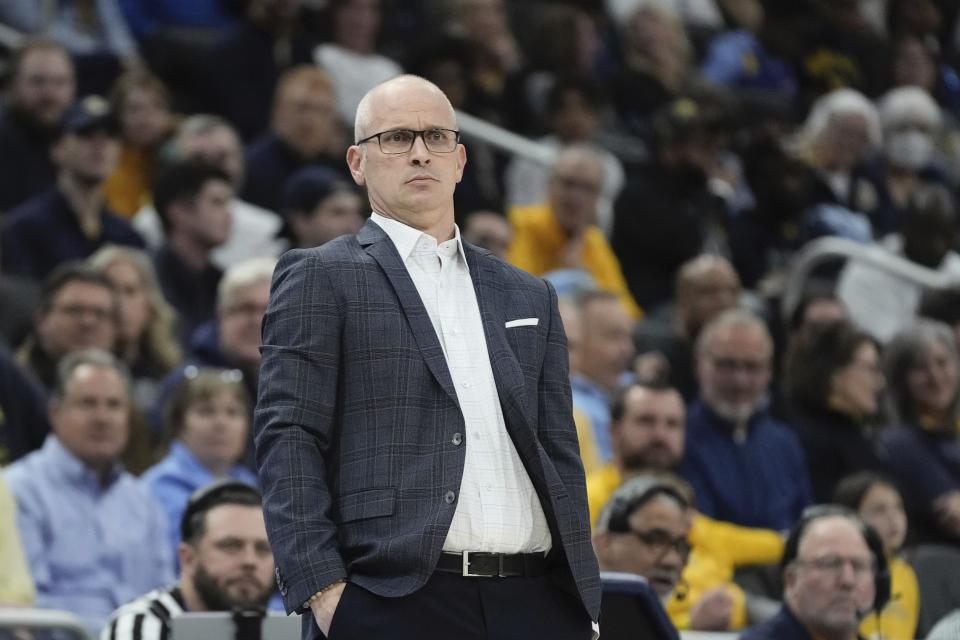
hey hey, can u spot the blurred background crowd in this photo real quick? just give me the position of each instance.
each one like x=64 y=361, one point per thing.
x=156 y=156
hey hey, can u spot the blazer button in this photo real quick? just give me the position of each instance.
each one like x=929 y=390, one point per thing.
x=449 y=497
x=457 y=439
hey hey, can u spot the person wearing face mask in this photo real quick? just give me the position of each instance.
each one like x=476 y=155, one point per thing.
x=910 y=120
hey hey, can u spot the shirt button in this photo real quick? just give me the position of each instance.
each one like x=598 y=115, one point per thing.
x=449 y=497
x=466 y=383
x=457 y=438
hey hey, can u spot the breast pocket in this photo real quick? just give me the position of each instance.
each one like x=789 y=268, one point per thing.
x=526 y=344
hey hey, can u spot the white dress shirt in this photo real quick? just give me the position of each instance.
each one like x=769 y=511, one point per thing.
x=498 y=509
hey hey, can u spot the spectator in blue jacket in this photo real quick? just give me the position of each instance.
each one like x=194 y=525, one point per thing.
x=745 y=466
x=207 y=425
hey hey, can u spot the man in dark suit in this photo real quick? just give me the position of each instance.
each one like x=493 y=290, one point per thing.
x=415 y=443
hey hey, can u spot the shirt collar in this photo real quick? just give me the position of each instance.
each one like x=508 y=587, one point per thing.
x=187 y=461
x=74 y=469
x=407 y=239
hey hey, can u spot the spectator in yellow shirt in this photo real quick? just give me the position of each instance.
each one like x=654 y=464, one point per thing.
x=562 y=234
x=878 y=502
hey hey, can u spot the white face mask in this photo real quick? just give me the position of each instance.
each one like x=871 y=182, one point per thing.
x=909 y=149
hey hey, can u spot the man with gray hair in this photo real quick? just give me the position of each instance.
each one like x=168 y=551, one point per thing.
x=93 y=536
x=213 y=140
x=745 y=466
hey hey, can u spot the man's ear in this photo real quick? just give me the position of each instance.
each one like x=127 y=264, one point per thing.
x=461 y=161
x=296 y=221
x=56 y=150
x=789 y=575
x=178 y=210
x=186 y=554
x=355 y=162
x=601 y=546
x=53 y=410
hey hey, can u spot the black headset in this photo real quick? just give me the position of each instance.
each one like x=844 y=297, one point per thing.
x=214 y=494
x=881 y=580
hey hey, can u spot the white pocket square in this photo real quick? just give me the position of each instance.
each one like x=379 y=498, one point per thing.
x=522 y=322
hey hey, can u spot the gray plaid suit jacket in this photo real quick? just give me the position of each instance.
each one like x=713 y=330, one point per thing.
x=356 y=414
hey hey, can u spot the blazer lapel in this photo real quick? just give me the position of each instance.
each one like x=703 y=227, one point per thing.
x=379 y=246
x=506 y=369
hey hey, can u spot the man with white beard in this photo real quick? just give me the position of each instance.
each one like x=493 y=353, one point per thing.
x=745 y=466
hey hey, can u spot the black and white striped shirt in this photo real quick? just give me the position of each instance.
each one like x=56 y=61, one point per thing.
x=146 y=618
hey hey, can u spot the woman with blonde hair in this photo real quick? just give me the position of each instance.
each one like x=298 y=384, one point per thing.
x=146 y=338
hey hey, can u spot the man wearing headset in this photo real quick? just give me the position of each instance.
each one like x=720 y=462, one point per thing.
x=643 y=530
x=834 y=573
x=225 y=559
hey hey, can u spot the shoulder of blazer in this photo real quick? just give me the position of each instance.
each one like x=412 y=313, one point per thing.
x=501 y=269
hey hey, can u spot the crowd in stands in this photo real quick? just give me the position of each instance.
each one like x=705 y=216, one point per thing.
x=157 y=157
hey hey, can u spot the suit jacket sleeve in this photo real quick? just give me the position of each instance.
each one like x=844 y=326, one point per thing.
x=557 y=432
x=295 y=424
x=558 y=436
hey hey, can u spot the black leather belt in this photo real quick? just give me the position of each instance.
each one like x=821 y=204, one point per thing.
x=493 y=565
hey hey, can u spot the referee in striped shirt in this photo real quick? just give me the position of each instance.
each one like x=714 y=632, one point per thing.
x=225 y=559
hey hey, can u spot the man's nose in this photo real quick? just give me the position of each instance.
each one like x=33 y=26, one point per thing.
x=848 y=575
x=419 y=152
x=248 y=556
x=672 y=558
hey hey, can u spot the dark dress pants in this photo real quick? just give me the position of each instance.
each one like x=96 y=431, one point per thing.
x=458 y=608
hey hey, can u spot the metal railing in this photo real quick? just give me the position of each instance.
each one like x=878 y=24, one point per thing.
x=13 y=617
x=501 y=138
x=819 y=251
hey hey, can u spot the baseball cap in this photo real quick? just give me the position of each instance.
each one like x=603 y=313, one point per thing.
x=89 y=114
x=306 y=188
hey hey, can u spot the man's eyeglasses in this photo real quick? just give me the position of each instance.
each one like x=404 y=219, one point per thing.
x=398 y=141
x=834 y=565
x=660 y=541
x=77 y=311
x=733 y=365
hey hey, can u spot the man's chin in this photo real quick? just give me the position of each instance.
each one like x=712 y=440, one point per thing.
x=247 y=597
x=734 y=412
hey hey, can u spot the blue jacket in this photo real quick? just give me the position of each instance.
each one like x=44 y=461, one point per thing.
x=783 y=626
x=760 y=482
x=176 y=477
x=44 y=232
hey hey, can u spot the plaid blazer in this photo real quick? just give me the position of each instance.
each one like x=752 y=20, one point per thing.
x=356 y=413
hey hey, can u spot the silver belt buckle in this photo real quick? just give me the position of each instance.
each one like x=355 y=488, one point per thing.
x=466 y=567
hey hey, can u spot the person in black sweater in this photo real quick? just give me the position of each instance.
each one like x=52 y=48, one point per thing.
x=832 y=385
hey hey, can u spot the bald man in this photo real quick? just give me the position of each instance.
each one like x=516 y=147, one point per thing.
x=415 y=443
